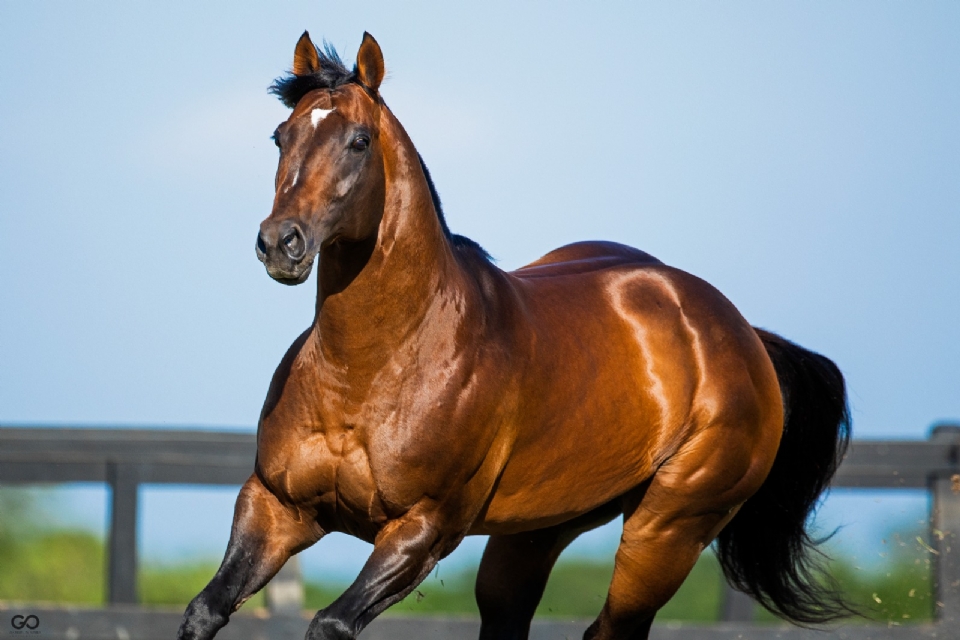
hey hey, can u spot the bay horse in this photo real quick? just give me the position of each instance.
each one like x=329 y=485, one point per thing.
x=435 y=396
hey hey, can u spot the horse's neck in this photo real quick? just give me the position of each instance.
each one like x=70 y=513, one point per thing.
x=407 y=279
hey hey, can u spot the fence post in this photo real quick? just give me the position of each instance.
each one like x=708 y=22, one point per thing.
x=122 y=547
x=285 y=593
x=735 y=606
x=945 y=531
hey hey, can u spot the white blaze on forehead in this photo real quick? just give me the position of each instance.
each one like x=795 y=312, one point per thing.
x=317 y=115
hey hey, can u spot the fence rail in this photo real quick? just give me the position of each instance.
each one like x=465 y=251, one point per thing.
x=128 y=458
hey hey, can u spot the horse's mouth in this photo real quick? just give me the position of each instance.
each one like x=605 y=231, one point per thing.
x=291 y=279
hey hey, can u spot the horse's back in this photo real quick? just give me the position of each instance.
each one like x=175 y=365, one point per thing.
x=584 y=257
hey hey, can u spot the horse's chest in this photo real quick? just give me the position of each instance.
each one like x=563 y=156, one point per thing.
x=328 y=470
x=363 y=453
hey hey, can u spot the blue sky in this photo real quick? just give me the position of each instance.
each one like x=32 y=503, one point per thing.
x=802 y=157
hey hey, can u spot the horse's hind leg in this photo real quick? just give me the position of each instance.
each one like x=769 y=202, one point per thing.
x=666 y=527
x=514 y=571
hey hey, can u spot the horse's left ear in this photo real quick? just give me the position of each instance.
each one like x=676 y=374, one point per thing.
x=370 y=67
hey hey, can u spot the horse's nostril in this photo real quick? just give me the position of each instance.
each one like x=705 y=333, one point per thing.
x=293 y=244
x=261 y=247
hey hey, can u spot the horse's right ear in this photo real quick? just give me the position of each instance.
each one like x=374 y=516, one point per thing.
x=370 y=63
x=305 y=58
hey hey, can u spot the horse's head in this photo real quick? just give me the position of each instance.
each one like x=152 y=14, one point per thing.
x=330 y=181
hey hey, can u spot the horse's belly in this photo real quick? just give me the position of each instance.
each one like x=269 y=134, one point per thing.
x=551 y=485
x=592 y=439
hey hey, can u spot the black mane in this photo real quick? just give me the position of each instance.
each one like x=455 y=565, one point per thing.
x=290 y=88
x=455 y=239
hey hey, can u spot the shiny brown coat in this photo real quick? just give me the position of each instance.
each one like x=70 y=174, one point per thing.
x=436 y=396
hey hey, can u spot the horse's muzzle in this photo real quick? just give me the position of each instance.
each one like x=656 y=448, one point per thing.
x=284 y=250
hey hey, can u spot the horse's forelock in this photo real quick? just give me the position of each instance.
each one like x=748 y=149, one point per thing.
x=291 y=87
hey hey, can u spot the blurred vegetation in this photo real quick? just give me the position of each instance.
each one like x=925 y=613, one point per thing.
x=897 y=591
x=177 y=584
x=576 y=589
x=42 y=563
x=39 y=562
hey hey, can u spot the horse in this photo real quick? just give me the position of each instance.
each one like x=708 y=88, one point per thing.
x=435 y=396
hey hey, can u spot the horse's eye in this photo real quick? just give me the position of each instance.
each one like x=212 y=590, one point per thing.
x=276 y=137
x=360 y=143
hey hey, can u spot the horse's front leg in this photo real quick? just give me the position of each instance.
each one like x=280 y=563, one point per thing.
x=265 y=534
x=403 y=554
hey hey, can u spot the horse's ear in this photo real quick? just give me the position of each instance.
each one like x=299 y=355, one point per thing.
x=370 y=67
x=305 y=58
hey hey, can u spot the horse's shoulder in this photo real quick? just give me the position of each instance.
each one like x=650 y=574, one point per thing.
x=585 y=257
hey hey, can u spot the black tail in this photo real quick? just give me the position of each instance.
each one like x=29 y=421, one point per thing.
x=765 y=550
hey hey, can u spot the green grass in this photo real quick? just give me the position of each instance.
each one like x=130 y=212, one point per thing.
x=68 y=567
x=177 y=584
x=576 y=589
x=59 y=566
x=900 y=592
x=38 y=563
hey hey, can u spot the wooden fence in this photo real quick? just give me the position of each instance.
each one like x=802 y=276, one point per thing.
x=127 y=458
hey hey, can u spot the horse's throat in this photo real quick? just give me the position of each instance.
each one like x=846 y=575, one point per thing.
x=340 y=264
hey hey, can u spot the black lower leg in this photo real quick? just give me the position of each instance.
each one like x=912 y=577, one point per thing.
x=401 y=559
x=514 y=572
x=240 y=575
x=264 y=535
